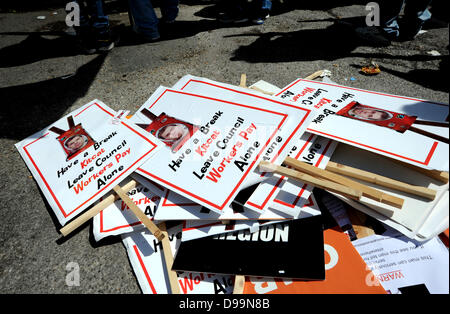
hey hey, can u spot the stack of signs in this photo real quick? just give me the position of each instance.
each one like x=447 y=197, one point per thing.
x=402 y=138
x=193 y=151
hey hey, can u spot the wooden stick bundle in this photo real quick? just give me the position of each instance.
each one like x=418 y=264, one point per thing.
x=327 y=175
x=323 y=184
x=381 y=180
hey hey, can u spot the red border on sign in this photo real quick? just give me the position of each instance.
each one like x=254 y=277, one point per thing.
x=247 y=94
x=432 y=149
x=64 y=212
x=219 y=206
x=147 y=276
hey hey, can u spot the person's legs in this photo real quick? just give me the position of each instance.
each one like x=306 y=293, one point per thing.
x=94 y=31
x=416 y=14
x=169 y=10
x=390 y=11
x=260 y=10
x=144 y=18
x=99 y=20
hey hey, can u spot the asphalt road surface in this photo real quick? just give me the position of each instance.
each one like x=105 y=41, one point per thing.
x=43 y=76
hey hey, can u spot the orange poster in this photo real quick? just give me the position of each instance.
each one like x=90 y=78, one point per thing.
x=346 y=272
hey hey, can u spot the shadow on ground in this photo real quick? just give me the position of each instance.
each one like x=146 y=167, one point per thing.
x=30 y=108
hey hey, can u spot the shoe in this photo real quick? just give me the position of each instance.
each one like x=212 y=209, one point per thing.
x=105 y=41
x=260 y=20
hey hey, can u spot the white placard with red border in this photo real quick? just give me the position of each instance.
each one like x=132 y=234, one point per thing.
x=410 y=147
x=84 y=155
x=145 y=253
x=118 y=219
x=225 y=142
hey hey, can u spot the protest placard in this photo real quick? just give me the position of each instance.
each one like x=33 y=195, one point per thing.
x=375 y=121
x=145 y=254
x=84 y=155
x=291 y=249
x=212 y=144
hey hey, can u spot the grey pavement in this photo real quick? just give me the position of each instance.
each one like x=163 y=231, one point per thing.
x=44 y=77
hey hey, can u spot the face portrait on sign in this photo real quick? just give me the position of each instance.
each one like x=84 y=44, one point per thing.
x=172 y=132
x=399 y=122
x=76 y=142
x=367 y=113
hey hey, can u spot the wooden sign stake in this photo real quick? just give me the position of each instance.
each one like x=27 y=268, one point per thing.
x=139 y=214
x=168 y=258
x=381 y=180
x=239 y=282
x=296 y=175
x=367 y=191
x=90 y=213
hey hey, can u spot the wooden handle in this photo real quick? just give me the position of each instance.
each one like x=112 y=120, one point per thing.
x=432 y=123
x=168 y=258
x=327 y=175
x=243 y=80
x=139 y=214
x=314 y=75
x=239 y=283
x=381 y=180
x=90 y=213
x=261 y=91
x=326 y=185
x=56 y=130
x=70 y=122
x=441 y=176
x=149 y=114
x=429 y=134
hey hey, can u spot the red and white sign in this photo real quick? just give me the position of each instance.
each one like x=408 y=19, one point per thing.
x=102 y=154
x=408 y=146
x=231 y=138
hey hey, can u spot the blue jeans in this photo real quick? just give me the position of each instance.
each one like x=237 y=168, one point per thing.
x=415 y=15
x=92 y=16
x=145 y=19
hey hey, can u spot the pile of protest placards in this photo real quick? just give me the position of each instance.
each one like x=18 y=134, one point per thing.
x=216 y=188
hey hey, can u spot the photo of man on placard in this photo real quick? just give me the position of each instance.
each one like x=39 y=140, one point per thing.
x=73 y=141
x=397 y=121
x=171 y=131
